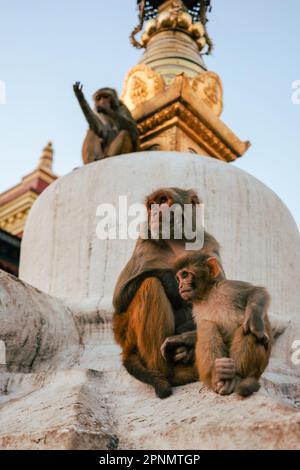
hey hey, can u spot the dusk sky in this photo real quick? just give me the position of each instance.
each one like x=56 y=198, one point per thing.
x=47 y=46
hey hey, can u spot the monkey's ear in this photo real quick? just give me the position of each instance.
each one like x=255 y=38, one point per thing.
x=214 y=267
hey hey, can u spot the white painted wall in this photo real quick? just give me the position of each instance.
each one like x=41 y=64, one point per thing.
x=62 y=256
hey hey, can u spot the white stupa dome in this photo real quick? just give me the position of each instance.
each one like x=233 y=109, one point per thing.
x=62 y=256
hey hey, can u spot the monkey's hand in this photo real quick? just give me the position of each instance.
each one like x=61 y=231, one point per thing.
x=176 y=349
x=78 y=89
x=254 y=324
x=184 y=355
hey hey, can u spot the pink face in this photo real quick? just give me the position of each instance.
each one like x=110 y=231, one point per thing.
x=163 y=201
x=186 y=286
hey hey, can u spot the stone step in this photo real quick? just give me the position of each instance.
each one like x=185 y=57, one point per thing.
x=87 y=409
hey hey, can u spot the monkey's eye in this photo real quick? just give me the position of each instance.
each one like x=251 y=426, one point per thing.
x=98 y=97
x=162 y=200
x=184 y=274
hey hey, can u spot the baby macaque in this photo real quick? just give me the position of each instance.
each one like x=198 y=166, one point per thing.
x=232 y=321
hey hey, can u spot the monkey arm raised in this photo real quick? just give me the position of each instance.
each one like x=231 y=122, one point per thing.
x=93 y=121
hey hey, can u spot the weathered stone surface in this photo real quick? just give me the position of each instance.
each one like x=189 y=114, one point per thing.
x=35 y=327
x=83 y=409
x=62 y=410
x=78 y=396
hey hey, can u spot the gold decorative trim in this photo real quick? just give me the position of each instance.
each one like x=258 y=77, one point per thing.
x=41 y=174
x=13 y=215
x=140 y=85
x=191 y=124
x=16 y=202
x=208 y=86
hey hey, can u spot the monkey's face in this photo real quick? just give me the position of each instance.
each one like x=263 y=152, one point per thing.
x=106 y=99
x=158 y=206
x=103 y=102
x=186 y=284
x=196 y=273
x=165 y=209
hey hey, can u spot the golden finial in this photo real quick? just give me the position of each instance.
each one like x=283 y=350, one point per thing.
x=46 y=158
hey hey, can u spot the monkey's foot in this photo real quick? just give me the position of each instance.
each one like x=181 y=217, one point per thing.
x=226 y=387
x=162 y=388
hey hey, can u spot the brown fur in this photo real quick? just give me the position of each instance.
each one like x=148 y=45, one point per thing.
x=112 y=129
x=232 y=322
x=141 y=331
x=149 y=310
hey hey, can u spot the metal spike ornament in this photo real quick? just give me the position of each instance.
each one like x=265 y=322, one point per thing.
x=150 y=9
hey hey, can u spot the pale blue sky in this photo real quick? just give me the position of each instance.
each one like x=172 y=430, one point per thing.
x=46 y=46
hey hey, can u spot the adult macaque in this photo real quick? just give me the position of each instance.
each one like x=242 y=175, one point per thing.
x=232 y=321
x=152 y=322
x=112 y=129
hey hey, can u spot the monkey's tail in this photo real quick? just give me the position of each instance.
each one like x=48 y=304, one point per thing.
x=247 y=387
x=136 y=368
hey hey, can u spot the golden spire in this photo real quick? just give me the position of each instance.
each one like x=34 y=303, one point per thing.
x=46 y=158
x=184 y=14
x=174 y=99
x=174 y=41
